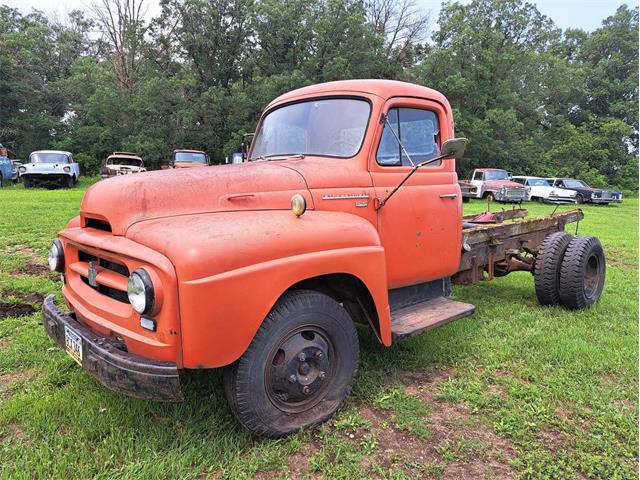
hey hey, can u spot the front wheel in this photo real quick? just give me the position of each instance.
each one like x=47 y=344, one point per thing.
x=298 y=369
x=579 y=199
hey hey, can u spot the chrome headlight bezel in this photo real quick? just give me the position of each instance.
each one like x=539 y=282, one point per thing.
x=56 y=257
x=67 y=169
x=140 y=291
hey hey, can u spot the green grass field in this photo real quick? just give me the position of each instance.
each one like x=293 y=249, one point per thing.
x=515 y=391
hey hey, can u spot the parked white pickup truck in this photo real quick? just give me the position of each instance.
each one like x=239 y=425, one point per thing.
x=541 y=190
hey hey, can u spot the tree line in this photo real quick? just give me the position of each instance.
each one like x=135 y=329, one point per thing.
x=532 y=98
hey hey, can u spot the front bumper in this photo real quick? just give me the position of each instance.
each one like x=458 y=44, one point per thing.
x=113 y=367
x=47 y=178
x=558 y=199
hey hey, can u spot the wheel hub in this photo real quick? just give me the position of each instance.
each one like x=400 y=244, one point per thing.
x=300 y=369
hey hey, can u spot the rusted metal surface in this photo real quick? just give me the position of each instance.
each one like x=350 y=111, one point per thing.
x=502 y=215
x=502 y=248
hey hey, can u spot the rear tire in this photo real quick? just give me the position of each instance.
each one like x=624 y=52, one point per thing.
x=299 y=368
x=583 y=273
x=547 y=267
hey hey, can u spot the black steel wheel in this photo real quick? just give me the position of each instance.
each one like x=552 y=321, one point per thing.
x=546 y=273
x=298 y=369
x=583 y=273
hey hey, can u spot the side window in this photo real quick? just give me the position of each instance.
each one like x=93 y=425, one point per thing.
x=418 y=131
x=477 y=176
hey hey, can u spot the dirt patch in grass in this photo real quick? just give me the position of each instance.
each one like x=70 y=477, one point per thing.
x=299 y=462
x=36 y=269
x=15 y=309
x=459 y=445
x=12 y=432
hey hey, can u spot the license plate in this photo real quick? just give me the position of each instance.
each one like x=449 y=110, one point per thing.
x=73 y=344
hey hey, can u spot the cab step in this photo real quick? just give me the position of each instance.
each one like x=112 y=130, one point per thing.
x=416 y=319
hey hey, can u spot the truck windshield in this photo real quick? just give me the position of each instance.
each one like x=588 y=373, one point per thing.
x=124 y=161
x=333 y=127
x=190 y=157
x=41 y=157
x=496 y=175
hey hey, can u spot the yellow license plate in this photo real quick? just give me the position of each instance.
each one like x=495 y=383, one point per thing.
x=73 y=344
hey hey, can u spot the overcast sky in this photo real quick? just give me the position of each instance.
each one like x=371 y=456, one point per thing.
x=585 y=14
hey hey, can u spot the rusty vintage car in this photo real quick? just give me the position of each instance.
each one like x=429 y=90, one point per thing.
x=122 y=163
x=496 y=184
x=348 y=212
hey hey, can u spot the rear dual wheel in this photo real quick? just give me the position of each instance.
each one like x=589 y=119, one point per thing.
x=298 y=369
x=569 y=271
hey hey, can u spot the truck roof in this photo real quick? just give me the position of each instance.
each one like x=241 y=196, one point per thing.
x=490 y=170
x=124 y=155
x=381 y=88
x=187 y=150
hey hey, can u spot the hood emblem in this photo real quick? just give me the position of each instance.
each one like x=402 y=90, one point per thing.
x=93 y=272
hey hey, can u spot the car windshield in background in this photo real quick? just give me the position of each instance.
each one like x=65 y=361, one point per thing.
x=40 y=157
x=333 y=127
x=575 y=184
x=190 y=157
x=496 y=175
x=124 y=161
x=539 y=182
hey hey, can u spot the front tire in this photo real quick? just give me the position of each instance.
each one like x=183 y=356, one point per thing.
x=579 y=199
x=299 y=368
x=582 y=274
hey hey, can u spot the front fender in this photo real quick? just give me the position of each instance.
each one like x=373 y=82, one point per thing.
x=233 y=266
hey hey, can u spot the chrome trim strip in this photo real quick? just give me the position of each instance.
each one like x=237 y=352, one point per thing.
x=345 y=196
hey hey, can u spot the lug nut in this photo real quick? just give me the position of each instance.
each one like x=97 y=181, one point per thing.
x=305 y=390
x=302 y=357
x=322 y=375
x=292 y=378
x=319 y=355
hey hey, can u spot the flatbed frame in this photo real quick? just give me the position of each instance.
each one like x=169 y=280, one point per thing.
x=510 y=243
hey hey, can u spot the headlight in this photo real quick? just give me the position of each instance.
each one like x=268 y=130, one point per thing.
x=22 y=169
x=595 y=194
x=67 y=169
x=298 y=204
x=56 y=257
x=140 y=291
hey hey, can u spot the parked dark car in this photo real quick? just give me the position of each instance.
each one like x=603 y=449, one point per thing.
x=585 y=193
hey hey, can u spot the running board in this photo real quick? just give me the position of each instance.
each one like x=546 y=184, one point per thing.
x=416 y=319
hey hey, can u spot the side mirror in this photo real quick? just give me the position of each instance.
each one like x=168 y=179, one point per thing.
x=454 y=148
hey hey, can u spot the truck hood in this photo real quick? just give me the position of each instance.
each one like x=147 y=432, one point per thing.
x=127 y=199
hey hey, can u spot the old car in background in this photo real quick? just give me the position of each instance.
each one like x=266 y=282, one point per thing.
x=495 y=184
x=585 y=193
x=122 y=163
x=50 y=168
x=349 y=211
x=541 y=190
x=189 y=159
x=468 y=190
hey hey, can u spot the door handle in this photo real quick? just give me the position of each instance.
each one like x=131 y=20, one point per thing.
x=449 y=195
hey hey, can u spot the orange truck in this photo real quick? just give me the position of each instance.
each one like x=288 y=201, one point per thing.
x=347 y=212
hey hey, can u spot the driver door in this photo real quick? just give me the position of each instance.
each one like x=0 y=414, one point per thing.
x=421 y=225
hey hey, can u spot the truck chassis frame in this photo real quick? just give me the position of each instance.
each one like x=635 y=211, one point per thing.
x=508 y=244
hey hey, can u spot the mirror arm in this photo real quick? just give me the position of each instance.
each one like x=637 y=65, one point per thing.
x=382 y=203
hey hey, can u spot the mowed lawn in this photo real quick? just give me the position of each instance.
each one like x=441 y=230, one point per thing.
x=515 y=391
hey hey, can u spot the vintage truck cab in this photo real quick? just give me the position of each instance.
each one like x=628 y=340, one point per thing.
x=348 y=211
